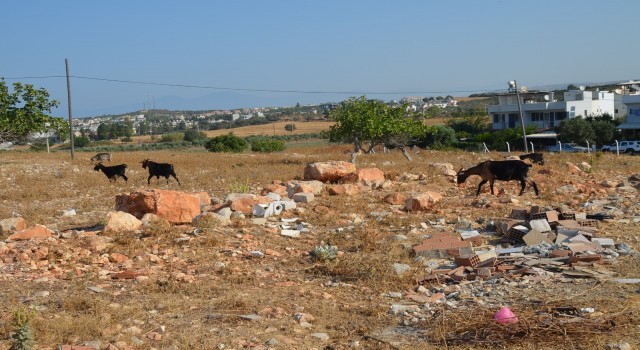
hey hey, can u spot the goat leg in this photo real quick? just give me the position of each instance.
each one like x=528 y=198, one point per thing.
x=480 y=186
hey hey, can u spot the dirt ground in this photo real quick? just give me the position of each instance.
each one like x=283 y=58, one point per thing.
x=246 y=286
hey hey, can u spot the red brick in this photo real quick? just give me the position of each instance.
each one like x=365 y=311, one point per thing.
x=560 y=253
x=585 y=258
x=457 y=271
x=505 y=267
x=128 y=274
x=476 y=241
x=426 y=278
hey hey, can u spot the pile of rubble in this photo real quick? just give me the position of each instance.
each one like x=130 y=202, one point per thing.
x=531 y=242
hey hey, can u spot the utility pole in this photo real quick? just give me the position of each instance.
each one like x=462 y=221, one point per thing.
x=66 y=63
x=513 y=84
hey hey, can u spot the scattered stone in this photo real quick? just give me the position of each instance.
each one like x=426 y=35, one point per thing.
x=400 y=269
x=619 y=346
x=35 y=232
x=395 y=198
x=321 y=336
x=303 y=197
x=177 y=207
x=328 y=171
x=251 y=317
x=119 y=221
x=422 y=202
x=12 y=225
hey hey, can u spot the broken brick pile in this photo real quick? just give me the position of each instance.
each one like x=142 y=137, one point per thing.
x=532 y=241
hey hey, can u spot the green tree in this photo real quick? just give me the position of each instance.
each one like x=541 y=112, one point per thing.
x=576 y=130
x=604 y=131
x=128 y=128
x=439 y=137
x=470 y=125
x=371 y=123
x=144 y=128
x=227 y=143
x=25 y=111
x=103 y=132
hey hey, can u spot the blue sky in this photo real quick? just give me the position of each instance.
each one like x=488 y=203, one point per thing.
x=348 y=47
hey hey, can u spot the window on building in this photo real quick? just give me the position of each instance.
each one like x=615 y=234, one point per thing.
x=537 y=117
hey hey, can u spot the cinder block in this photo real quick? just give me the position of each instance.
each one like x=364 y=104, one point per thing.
x=516 y=233
x=588 y=222
x=471 y=260
x=550 y=216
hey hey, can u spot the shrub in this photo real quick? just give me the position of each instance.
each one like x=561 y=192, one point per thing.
x=194 y=135
x=267 y=146
x=226 y=143
x=81 y=141
x=23 y=338
x=290 y=127
x=175 y=137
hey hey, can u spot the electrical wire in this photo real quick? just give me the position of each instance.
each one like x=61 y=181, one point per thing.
x=253 y=90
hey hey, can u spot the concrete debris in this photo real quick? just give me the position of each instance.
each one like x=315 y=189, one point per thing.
x=533 y=243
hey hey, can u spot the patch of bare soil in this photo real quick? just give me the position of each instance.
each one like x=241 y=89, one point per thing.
x=247 y=286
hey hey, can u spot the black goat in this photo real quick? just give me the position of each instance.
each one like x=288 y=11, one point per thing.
x=159 y=169
x=504 y=170
x=112 y=172
x=100 y=157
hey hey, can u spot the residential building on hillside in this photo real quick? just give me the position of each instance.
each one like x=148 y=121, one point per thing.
x=631 y=99
x=541 y=109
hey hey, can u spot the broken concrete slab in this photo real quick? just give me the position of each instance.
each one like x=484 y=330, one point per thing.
x=290 y=233
x=534 y=237
x=541 y=225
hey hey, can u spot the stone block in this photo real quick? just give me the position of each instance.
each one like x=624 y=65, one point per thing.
x=303 y=197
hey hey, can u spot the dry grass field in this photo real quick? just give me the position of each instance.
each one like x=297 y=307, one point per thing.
x=197 y=289
x=272 y=129
x=278 y=128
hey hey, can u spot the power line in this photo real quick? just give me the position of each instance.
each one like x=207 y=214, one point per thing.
x=252 y=90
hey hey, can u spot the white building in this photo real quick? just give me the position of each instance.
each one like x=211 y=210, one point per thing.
x=541 y=109
x=632 y=102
